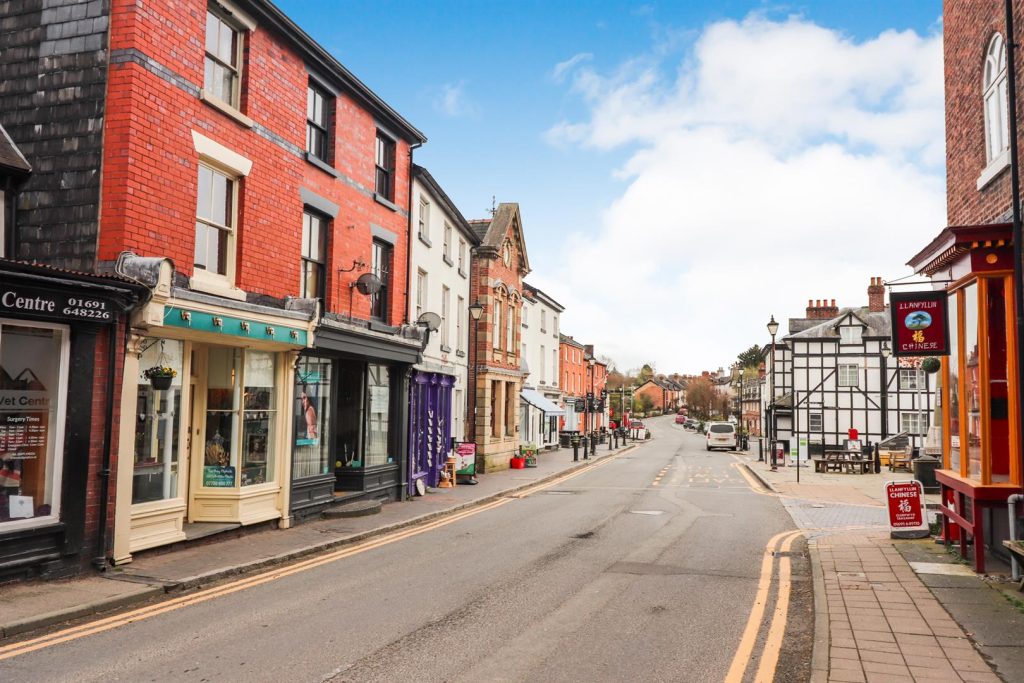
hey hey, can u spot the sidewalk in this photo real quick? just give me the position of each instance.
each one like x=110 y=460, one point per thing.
x=890 y=610
x=29 y=606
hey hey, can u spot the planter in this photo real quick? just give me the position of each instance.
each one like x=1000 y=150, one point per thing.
x=517 y=463
x=161 y=382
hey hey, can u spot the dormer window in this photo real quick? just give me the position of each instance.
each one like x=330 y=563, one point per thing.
x=850 y=334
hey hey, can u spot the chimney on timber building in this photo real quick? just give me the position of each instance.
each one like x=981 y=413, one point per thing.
x=876 y=296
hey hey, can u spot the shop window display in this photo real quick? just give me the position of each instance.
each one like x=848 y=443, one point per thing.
x=378 y=408
x=33 y=369
x=312 y=418
x=259 y=416
x=954 y=387
x=972 y=381
x=158 y=419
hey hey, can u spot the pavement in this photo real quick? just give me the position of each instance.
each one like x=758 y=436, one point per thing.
x=28 y=606
x=887 y=609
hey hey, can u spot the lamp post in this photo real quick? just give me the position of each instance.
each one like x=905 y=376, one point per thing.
x=886 y=353
x=589 y=406
x=773 y=328
x=476 y=309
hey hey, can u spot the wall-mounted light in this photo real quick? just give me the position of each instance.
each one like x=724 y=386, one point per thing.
x=187 y=316
x=270 y=331
x=245 y=326
x=294 y=334
x=218 y=322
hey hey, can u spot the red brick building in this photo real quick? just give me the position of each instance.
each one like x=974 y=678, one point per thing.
x=573 y=371
x=980 y=408
x=496 y=281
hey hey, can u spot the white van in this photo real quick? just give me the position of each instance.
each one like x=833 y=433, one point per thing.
x=721 y=435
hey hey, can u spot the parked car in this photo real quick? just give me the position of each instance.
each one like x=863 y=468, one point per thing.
x=680 y=419
x=636 y=424
x=690 y=424
x=721 y=435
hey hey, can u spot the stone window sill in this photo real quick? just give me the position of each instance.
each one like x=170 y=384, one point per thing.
x=462 y=272
x=425 y=240
x=322 y=165
x=448 y=260
x=445 y=348
x=225 y=108
x=460 y=353
x=994 y=169
x=381 y=199
x=201 y=281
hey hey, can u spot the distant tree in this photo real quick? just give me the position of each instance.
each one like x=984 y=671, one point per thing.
x=642 y=403
x=700 y=397
x=645 y=373
x=750 y=358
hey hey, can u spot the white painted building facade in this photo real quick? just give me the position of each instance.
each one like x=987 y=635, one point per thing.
x=540 y=404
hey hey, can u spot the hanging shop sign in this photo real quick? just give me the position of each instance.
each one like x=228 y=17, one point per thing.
x=919 y=323
x=39 y=302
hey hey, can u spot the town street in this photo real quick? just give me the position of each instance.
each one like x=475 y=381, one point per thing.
x=645 y=566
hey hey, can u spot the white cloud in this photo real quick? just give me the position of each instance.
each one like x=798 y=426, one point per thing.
x=451 y=101
x=561 y=69
x=780 y=161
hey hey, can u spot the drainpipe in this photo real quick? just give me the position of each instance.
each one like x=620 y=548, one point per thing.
x=1018 y=237
x=1011 y=509
x=100 y=560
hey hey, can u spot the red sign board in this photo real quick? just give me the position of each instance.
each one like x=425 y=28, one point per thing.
x=919 y=323
x=905 y=506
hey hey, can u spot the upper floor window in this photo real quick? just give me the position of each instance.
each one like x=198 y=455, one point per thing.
x=215 y=222
x=380 y=263
x=850 y=335
x=849 y=375
x=445 y=315
x=496 y=329
x=223 y=64
x=911 y=379
x=424 y=220
x=996 y=111
x=554 y=324
x=314 y=252
x=462 y=255
x=447 y=247
x=421 y=293
x=459 y=312
x=318 y=123
x=385 y=183
x=510 y=329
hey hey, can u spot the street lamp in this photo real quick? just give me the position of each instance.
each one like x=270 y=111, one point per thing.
x=476 y=309
x=773 y=328
x=588 y=425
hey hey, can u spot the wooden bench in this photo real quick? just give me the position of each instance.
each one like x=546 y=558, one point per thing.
x=843 y=461
x=1017 y=548
x=900 y=460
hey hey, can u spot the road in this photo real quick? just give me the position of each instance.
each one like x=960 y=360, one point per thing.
x=645 y=567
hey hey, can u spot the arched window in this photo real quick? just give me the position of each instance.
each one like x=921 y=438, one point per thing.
x=996 y=115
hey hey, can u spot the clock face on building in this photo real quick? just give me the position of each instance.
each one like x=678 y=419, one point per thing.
x=506 y=254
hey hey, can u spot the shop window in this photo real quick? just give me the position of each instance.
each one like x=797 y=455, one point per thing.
x=511 y=399
x=495 y=389
x=998 y=387
x=972 y=381
x=259 y=419
x=312 y=424
x=378 y=409
x=381 y=266
x=157 y=423
x=953 y=384
x=314 y=254
x=33 y=376
x=318 y=115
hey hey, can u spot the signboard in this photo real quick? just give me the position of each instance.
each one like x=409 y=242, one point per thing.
x=25 y=300
x=919 y=323
x=465 y=458
x=906 y=509
x=218 y=476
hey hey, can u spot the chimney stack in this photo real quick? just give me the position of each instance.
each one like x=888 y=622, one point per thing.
x=819 y=309
x=876 y=296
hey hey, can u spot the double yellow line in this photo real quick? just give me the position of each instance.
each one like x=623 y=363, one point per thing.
x=142 y=613
x=773 y=641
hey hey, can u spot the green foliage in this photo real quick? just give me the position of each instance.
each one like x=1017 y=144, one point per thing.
x=751 y=358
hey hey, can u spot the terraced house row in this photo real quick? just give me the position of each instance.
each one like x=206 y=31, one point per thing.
x=227 y=294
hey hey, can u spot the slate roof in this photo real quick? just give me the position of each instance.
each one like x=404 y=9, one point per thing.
x=424 y=176
x=10 y=156
x=875 y=325
x=492 y=232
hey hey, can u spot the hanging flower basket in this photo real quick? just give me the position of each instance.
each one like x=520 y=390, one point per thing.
x=160 y=376
x=931 y=365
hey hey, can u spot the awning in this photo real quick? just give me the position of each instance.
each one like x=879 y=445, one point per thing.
x=537 y=400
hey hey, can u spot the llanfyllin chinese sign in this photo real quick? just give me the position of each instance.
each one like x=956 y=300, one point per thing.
x=919 y=324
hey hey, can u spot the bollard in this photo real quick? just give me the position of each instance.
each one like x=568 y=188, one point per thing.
x=593 y=444
x=615 y=436
x=575 y=449
x=609 y=442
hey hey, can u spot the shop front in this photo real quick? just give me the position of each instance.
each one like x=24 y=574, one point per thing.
x=206 y=418
x=981 y=442
x=349 y=416
x=430 y=427
x=59 y=336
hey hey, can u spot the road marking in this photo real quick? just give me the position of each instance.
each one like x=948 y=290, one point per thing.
x=773 y=643
x=139 y=614
x=749 y=638
x=554 y=482
x=755 y=485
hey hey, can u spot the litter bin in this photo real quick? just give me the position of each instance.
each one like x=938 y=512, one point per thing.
x=924 y=472
x=565 y=439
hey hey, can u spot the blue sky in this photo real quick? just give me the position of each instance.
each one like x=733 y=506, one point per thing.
x=481 y=79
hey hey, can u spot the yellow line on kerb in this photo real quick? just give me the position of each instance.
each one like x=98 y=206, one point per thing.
x=743 y=654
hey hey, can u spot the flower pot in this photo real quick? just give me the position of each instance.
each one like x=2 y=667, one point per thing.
x=161 y=382
x=517 y=463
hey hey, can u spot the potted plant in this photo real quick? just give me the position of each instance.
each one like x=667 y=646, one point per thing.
x=931 y=365
x=160 y=376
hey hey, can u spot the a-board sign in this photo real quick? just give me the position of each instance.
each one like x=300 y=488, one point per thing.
x=905 y=502
x=465 y=458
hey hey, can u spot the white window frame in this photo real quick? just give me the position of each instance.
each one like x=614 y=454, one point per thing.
x=459 y=343
x=994 y=94
x=911 y=379
x=851 y=335
x=238 y=20
x=60 y=418
x=462 y=256
x=446 y=250
x=815 y=417
x=554 y=367
x=543 y=320
x=497 y=332
x=844 y=381
x=909 y=418
x=421 y=292
x=446 y=295
x=543 y=364
x=424 y=220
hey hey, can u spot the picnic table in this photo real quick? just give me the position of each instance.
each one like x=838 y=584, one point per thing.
x=843 y=461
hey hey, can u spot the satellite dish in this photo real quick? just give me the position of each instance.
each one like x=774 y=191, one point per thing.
x=432 y=321
x=368 y=283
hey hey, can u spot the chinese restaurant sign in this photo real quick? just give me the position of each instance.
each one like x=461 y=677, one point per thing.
x=919 y=324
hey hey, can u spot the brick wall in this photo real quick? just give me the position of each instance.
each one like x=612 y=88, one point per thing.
x=968 y=25
x=54 y=64
x=150 y=176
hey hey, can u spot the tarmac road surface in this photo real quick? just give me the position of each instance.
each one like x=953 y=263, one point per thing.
x=645 y=567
